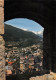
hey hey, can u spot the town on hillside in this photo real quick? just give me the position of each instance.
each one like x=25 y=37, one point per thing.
x=21 y=60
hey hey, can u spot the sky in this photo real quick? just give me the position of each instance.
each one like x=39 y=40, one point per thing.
x=25 y=24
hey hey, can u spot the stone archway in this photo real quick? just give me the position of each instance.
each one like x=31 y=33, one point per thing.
x=39 y=11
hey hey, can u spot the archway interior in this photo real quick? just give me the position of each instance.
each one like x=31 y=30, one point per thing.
x=41 y=12
x=23 y=45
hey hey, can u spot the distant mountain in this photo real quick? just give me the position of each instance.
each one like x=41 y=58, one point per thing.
x=16 y=34
x=40 y=33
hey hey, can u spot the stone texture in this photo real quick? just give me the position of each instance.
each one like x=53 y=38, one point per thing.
x=1 y=20
x=51 y=76
x=2 y=59
x=33 y=78
x=1 y=3
x=2 y=48
x=2 y=28
x=1 y=15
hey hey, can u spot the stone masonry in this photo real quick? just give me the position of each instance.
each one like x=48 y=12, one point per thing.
x=51 y=76
x=2 y=47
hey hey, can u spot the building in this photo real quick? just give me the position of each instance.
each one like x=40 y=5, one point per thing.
x=15 y=51
x=22 y=67
x=9 y=70
x=31 y=61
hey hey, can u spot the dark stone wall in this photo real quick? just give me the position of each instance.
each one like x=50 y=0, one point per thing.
x=47 y=54
x=49 y=43
x=54 y=38
x=38 y=10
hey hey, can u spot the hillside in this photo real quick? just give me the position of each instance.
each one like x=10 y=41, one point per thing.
x=25 y=37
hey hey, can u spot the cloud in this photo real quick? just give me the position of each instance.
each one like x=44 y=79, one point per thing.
x=37 y=33
x=23 y=29
x=34 y=32
x=40 y=32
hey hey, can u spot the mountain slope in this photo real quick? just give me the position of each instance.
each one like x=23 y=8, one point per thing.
x=16 y=34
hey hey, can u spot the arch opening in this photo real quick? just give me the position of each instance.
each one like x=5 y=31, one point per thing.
x=24 y=45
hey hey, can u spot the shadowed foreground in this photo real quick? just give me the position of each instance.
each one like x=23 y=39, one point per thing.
x=26 y=76
x=51 y=76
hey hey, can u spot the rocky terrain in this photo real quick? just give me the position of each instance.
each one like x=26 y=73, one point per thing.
x=51 y=76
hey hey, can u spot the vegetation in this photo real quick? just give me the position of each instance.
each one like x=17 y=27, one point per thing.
x=23 y=38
